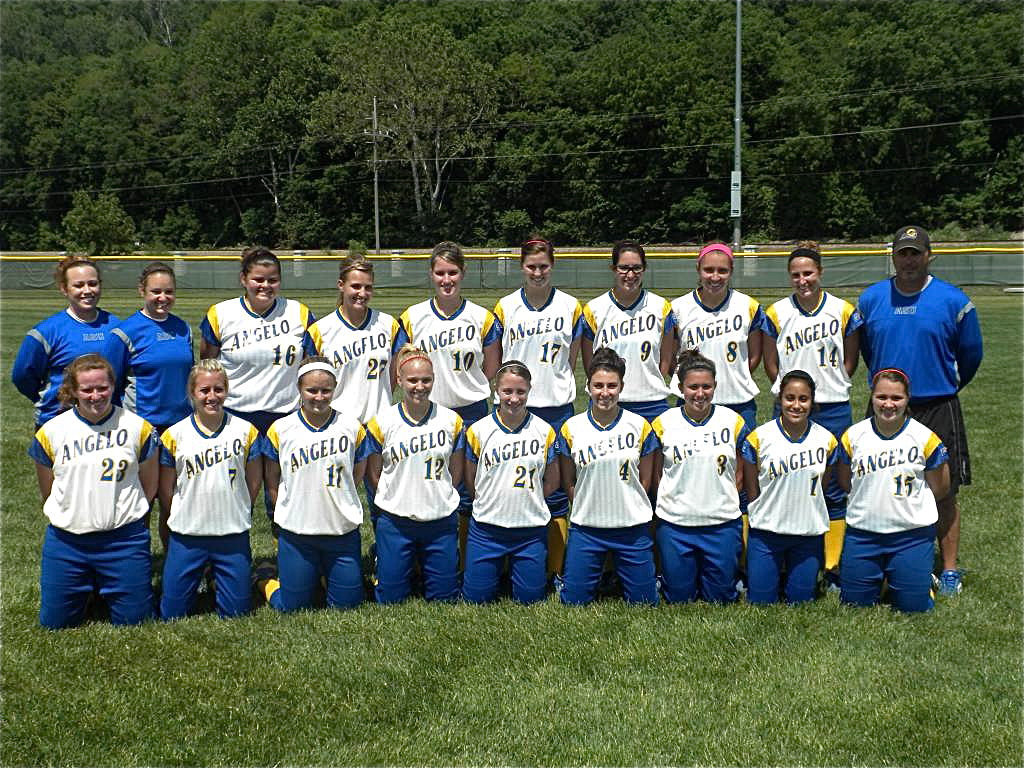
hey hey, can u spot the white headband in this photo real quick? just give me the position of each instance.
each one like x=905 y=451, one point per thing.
x=316 y=365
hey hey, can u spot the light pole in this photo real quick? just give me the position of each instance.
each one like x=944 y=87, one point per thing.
x=735 y=192
x=376 y=186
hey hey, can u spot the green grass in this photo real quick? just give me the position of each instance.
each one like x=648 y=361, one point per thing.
x=505 y=684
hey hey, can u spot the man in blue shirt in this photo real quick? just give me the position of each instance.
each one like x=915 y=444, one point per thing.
x=929 y=329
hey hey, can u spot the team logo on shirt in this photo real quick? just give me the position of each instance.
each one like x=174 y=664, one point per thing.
x=544 y=325
x=894 y=457
x=509 y=451
x=247 y=336
x=698 y=334
x=307 y=454
x=634 y=325
x=805 y=459
x=417 y=444
x=447 y=338
x=98 y=336
x=608 y=447
x=678 y=452
x=99 y=441
x=823 y=331
x=346 y=353
x=212 y=456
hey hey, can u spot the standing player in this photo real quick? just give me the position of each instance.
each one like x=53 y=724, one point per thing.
x=606 y=459
x=261 y=338
x=415 y=465
x=637 y=325
x=542 y=326
x=315 y=459
x=358 y=340
x=726 y=326
x=510 y=468
x=814 y=331
x=81 y=328
x=894 y=468
x=786 y=465
x=209 y=474
x=151 y=353
x=695 y=477
x=928 y=328
x=462 y=340
x=97 y=471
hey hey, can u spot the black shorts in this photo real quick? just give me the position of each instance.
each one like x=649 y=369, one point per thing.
x=942 y=415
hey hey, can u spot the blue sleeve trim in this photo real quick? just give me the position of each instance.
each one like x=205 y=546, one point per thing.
x=35 y=450
x=747 y=452
x=939 y=457
x=166 y=460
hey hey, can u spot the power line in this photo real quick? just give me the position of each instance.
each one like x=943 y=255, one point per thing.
x=574 y=118
x=533 y=181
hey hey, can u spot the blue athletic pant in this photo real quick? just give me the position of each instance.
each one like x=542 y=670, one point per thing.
x=486 y=549
x=748 y=411
x=768 y=553
x=230 y=560
x=469 y=413
x=903 y=558
x=649 y=409
x=836 y=418
x=633 y=554
x=262 y=421
x=556 y=416
x=303 y=558
x=117 y=561
x=402 y=542
x=699 y=560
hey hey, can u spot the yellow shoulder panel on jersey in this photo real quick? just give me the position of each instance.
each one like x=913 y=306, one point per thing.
x=473 y=440
x=253 y=436
x=169 y=443
x=589 y=319
x=211 y=318
x=317 y=337
x=144 y=434
x=752 y=309
x=567 y=435
x=44 y=441
x=273 y=437
x=773 y=316
x=931 y=444
x=374 y=429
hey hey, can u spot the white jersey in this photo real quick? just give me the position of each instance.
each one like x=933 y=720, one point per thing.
x=317 y=495
x=698 y=480
x=635 y=333
x=888 y=489
x=720 y=333
x=455 y=345
x=541 y=338
x=789 y=472
x=415 y=481
x=210 y=494
x=813 y=342
x=261 y=353
x=96 y=484
x=607 y=459
x=510 y=465
x=362 y=356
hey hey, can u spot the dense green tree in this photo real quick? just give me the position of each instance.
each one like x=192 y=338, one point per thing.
x=98 y=225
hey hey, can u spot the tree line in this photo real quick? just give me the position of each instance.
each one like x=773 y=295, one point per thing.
x=200 y=125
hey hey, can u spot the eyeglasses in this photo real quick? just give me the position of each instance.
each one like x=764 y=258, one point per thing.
x=625 y=269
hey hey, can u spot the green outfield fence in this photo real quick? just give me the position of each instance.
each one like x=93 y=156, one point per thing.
x=670 y=270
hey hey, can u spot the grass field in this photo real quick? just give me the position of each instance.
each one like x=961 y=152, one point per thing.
x=610 y=684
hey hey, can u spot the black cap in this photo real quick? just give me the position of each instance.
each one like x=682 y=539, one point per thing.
x=912 y=236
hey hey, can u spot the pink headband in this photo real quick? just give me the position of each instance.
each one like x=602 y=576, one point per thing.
x=897 y=371
x=720 y=247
